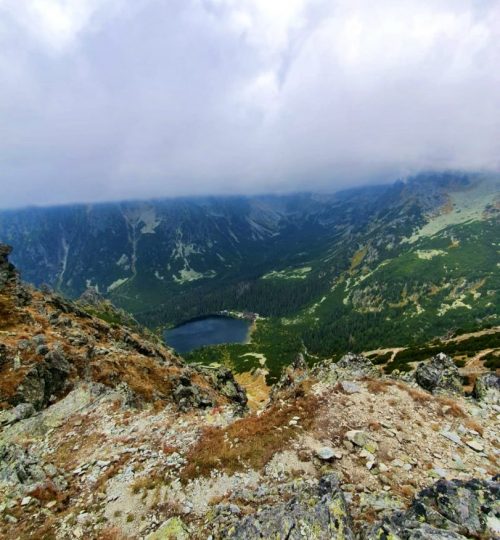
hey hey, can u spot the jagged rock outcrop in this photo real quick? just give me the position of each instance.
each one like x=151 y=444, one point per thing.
x=487 y=387
x=223 y=380
x=439 y=374
x=8 y=273
x=292 y=376
x=54 y=345
x=44 y=380
x=12 y=293
x=453 y=509
x=188 y=394
x=314 y=513
x=350 y=367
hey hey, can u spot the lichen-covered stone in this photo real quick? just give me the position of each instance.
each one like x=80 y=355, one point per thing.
x=318 y=513
x=487 y=387
x=350 y=367
x=439 y=374
x=43 y=380
x=447 y=510
x=173 y=528
x=223 y=380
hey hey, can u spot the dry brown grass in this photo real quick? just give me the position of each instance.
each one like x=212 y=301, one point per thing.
x=404 y=490
x=143 y=375
x=419 y=396
x=66 y=457
x=143 y=484
x=168 y=449
x=8 y=312
x=168 y=509
x=112 y=533
x=249 y=442
x=46 y=492
x=376 y=386
x=472 y=424
x=449 y=407
x=10 y=380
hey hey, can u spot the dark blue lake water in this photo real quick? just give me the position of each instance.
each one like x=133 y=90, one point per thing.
x=207 y=331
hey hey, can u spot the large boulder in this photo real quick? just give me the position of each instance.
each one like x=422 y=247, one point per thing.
x=453 y=509
x=350 y=367
x=18 y=467
x=315 y=513
x=439 y=374
x=222 y=379
x=487 y=387
x=22 y=471
x=43 y=380
x=189 y=395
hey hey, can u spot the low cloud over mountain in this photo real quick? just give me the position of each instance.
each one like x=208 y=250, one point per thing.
x=115 y=99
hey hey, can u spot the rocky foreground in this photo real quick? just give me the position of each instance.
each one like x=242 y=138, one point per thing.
x=106 y=434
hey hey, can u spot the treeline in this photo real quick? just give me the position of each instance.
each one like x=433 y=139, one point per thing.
x=269 y=298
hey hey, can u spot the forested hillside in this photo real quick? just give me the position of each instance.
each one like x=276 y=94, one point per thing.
x=382 y=265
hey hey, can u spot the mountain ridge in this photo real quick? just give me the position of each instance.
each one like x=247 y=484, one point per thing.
x=105 y=434
x=315 y=266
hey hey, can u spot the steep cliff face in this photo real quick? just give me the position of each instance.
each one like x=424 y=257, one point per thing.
x=12 y=294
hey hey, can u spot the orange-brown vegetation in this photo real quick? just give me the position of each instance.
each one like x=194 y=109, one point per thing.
x=143 y=375
x=376 y=386
x=249 y=442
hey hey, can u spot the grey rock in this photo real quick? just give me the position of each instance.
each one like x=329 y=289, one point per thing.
x=188 y=395
x=292 y=376
x=487 y=387
x=42 y=350
x=439 y=374
x=10 y=282
x=350 y=387
x=350 y=367
x=39 y=339
x=452 y=436
x=357 y=437
x=451 y=510
x=17 y=466
x=326 y=453
x=317 y=513
x=222 y=380
x=43 y=380
x=20 y=412
x=24 y=410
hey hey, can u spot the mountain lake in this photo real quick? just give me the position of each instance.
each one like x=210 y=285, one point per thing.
x=212 y=330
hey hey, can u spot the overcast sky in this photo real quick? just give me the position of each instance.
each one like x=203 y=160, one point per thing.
x=113 y=99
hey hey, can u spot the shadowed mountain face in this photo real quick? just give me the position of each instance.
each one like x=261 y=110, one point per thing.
x=363 y=252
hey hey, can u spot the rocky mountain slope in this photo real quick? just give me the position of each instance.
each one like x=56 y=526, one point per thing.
x=105 y=434
x=380 y=266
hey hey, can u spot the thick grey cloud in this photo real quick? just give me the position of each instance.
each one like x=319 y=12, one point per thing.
x=111 y=99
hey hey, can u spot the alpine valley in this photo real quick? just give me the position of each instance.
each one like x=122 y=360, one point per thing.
x=362 y=269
